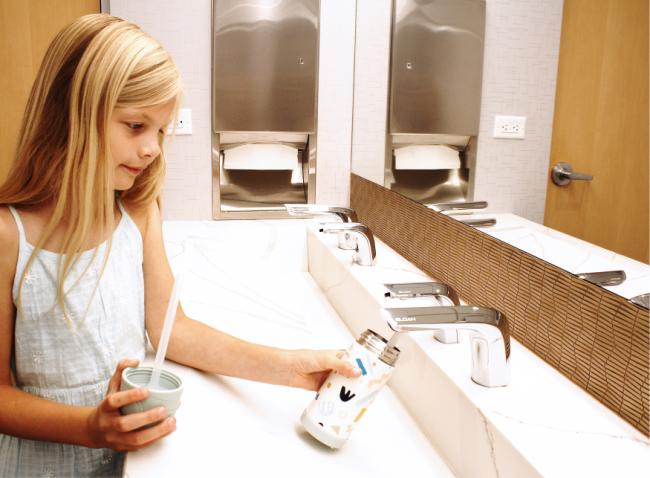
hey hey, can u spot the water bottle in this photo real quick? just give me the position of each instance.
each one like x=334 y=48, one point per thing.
x=341 y=402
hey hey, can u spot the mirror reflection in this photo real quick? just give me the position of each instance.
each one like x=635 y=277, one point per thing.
x=563 y=84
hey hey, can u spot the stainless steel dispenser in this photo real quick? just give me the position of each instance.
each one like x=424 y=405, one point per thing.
x=435 y=98
x=264 y=82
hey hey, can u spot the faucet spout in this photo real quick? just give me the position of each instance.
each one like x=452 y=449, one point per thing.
x=438 y=290
x=489 y=328
x=329 y=214
x=365 y=241
x=408 y=290
x=458 y=206
x=344 y=214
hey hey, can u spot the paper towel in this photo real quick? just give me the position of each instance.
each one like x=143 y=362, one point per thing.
x=261 y=157
x=421 y=156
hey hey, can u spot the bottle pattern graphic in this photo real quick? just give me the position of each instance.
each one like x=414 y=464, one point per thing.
x=341 y=402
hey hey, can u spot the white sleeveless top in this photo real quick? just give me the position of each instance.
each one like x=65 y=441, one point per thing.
x=72 y=361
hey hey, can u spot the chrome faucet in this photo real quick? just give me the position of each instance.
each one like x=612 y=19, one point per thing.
x=490 y=335
x=365 y=241
x=458 y=206
x=488 y=221
x=603 y=278
x=453 y=208
x=338 y=213
x=437 y=290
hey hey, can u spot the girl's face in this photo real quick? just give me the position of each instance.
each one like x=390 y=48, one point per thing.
x=134 y=136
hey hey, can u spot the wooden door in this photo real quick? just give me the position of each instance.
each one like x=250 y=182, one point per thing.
x=26 y=29
x=601 y=125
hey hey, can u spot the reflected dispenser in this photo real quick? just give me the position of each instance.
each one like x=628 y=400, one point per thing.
x=435 y=98
x=264 y=83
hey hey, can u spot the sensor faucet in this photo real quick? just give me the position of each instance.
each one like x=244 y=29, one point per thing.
x=362 y=235
x=490 y=335
x=334 y=213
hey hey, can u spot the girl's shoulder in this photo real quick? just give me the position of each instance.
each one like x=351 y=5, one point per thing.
x=8 y=228
x=9 y=239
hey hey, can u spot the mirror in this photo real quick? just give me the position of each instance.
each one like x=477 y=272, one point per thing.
x=560 y=83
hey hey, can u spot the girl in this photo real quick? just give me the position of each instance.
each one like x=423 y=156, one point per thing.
x=83 y=271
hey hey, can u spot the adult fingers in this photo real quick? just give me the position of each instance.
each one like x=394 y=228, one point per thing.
x=117 y=400
x=116 y=379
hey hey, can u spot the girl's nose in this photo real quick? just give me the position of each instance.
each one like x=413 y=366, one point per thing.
x=149 y=148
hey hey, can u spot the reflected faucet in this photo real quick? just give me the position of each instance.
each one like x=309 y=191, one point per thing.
x=456 y=208
x=362 y=235
x=450 y=207
x=442 y=292
x=604 y=278
x=490 y=335
x=334 y=213
x=487 y=222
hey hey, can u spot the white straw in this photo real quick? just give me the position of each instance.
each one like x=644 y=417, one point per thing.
x=166 y=331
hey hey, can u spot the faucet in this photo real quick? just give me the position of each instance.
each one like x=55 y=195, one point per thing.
x=343 y=214
x=365 y=241
x=603 y=278
x=458 y=206
x=437 y=290
x=453 y=207
x=490 y=340
x=480 y=222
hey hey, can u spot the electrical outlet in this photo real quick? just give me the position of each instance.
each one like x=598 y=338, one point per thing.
x=513 y=127
x=183 y=123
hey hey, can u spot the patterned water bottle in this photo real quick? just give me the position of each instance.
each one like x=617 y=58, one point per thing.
x=341 y=402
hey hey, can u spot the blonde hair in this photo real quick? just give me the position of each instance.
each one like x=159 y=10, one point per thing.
x=95 y=64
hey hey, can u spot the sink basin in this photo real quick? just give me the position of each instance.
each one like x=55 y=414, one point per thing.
x=250 y=279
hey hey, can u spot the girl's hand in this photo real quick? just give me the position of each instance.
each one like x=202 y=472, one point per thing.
x=109 y=429
x=309 y=368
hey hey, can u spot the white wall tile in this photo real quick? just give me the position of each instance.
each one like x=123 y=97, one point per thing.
x=183 y=28
x=371 y=72
x=335 y=96
x=519 y=76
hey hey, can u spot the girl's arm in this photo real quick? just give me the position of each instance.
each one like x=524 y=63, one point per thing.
x=28 y=416
x=205 y=348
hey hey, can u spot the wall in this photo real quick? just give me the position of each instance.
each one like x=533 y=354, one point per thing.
x=520 y=65
x=184 y=29
x=522 y=44
x=371 y=72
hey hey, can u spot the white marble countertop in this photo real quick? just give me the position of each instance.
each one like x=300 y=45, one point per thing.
x=541 y=424
x=250 y=279
x=564 y=251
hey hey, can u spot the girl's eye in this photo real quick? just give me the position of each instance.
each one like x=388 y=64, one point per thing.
x=135 y=126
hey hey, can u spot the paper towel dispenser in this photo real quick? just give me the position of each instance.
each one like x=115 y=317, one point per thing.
x=435 y=97
x=264 y=80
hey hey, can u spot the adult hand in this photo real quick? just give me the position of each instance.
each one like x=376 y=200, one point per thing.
x=309 y=368
x=107 y=428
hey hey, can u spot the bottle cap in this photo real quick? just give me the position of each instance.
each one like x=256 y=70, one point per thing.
x=377 y=344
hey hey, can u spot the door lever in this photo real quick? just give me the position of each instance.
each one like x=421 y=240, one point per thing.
x=562 y=174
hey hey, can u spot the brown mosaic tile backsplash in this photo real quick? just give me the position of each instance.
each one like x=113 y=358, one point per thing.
x=597 y=339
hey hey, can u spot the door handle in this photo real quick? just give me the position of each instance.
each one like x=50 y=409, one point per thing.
x=562 y=174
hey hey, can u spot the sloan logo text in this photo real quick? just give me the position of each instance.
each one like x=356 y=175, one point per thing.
x=406 y=319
